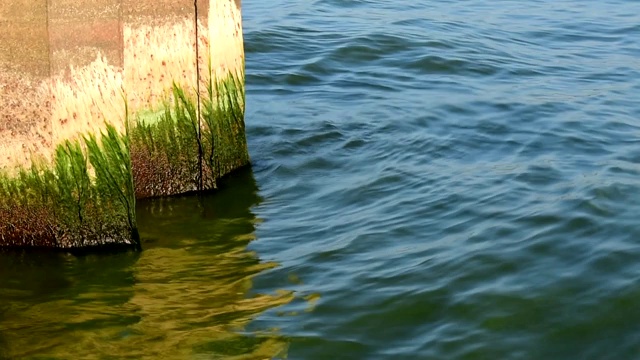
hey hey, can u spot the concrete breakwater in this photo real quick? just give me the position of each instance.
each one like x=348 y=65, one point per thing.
x=107 y=101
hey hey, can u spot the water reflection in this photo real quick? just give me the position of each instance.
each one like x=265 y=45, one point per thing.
x=186 y=295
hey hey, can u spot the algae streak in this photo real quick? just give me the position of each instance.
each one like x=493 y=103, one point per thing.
x=187 y=147
x=84 y=199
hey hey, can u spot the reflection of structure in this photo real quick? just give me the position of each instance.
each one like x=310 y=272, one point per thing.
x=186 y=296
x=167 y=75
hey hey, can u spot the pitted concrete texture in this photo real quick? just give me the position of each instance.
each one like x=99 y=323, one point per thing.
x=159 y=49
x=24 y=68
x=67 y=66
x=25 y=112
x=80 y=31
x=225 y=34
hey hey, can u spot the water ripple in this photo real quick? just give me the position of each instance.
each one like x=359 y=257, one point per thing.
x=457 y=182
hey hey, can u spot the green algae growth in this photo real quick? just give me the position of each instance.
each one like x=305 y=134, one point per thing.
x=86 y=196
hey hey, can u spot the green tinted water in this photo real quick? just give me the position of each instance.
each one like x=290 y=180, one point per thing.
x=188 y=293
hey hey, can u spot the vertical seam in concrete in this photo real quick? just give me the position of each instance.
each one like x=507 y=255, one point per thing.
x=49 y=48
x=198 y=112
x=121 y=38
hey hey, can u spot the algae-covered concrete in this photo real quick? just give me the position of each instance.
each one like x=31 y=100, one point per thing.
x=189 y=60
x=106 y=101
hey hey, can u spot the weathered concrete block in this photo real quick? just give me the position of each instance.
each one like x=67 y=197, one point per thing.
x=106 y=101
x=204 y=85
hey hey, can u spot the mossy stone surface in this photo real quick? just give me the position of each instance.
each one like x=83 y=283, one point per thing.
x=85 y=198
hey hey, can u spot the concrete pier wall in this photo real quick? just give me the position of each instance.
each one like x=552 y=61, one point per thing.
x=106 y=101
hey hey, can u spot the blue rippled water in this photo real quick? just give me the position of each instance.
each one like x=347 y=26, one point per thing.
x=452 y=179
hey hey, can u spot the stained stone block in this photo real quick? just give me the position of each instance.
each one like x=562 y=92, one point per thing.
x=159 y=49
x=195 y=69
x=24 y=67
x=106 y=101
x=160 y=56
x=85 y=40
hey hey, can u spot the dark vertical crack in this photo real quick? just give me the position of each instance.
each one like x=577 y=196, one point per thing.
x=198 y=114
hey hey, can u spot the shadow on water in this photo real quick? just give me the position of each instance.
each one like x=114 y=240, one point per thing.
x=186 y=295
